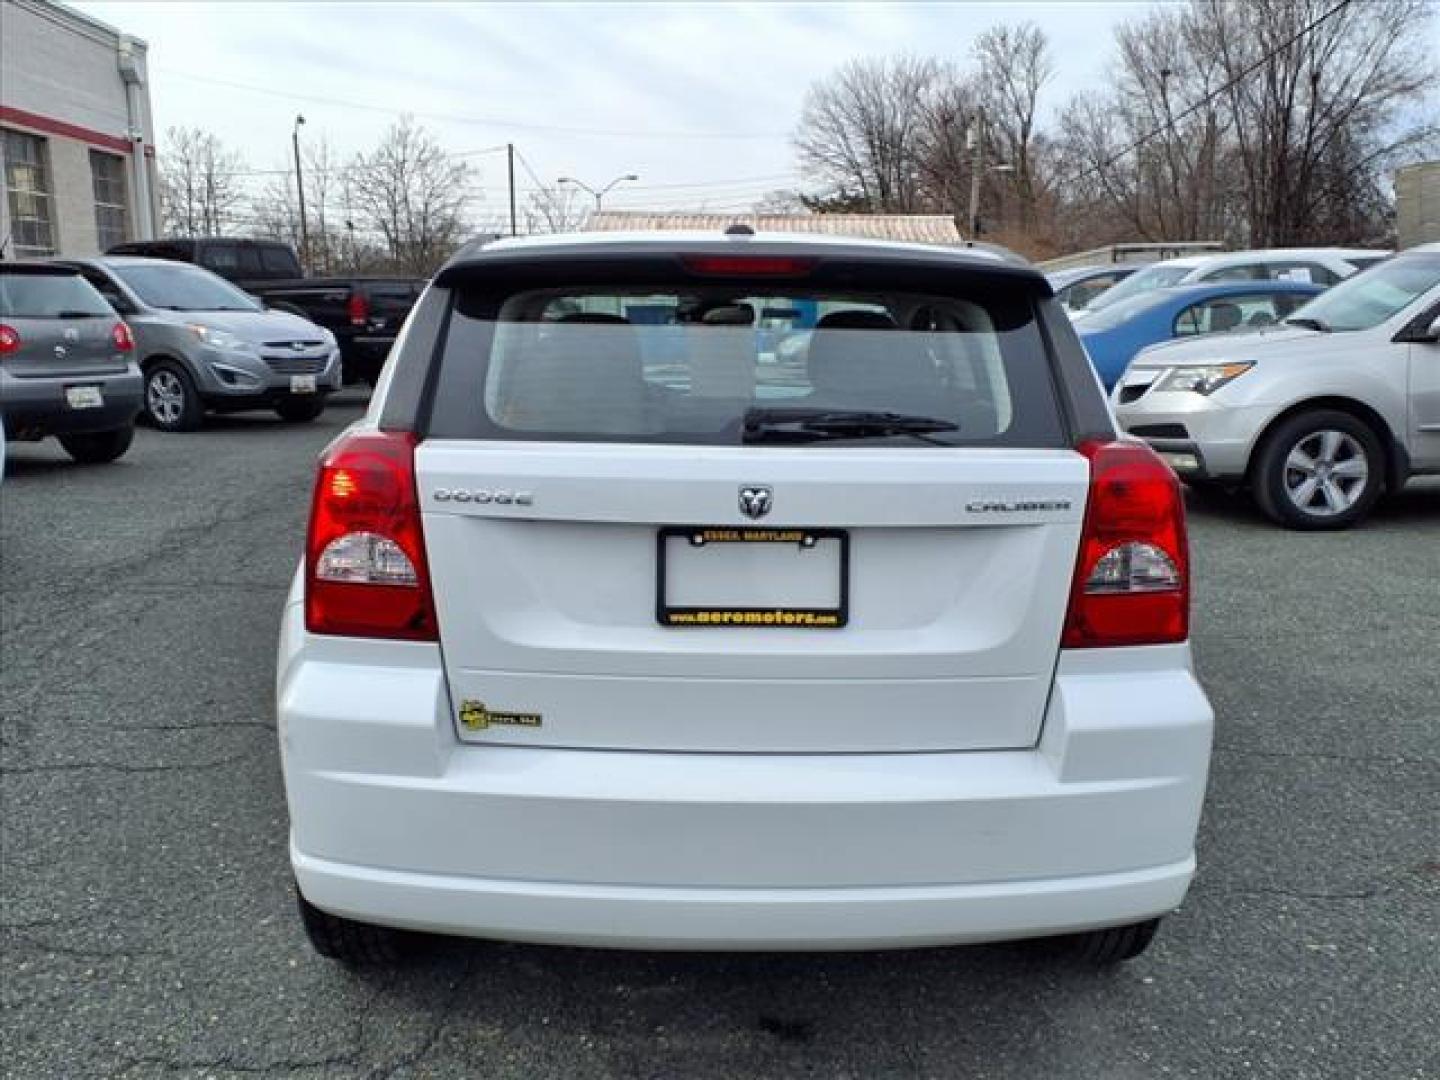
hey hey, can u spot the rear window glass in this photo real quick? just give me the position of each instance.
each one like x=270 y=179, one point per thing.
x=50 y=296
x=722 y=365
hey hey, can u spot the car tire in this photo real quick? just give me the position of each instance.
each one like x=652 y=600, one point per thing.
x=300 y=410
x=1114 y=944
x=98 y=447
x=171 y=401
x=354 y=944
x=1321 y=469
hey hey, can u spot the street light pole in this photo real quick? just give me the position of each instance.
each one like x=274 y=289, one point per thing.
x=598 y=196
x=977 y=166
x=300 y=191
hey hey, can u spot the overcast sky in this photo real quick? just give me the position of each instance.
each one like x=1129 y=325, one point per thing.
x=699 y=99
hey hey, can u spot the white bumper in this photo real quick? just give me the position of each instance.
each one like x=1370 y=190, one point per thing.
x=394 y=821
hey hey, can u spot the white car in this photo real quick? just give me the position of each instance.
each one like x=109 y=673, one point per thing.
x=1319 y=266
x=1319 y=416
x=608 y=633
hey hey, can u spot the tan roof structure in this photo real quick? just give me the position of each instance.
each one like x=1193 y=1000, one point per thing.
x=905 y=228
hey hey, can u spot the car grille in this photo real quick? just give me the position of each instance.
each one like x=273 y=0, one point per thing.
x=293 y=360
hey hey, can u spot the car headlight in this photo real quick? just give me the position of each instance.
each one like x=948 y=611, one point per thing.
x=1201 y=378
x=219 y=339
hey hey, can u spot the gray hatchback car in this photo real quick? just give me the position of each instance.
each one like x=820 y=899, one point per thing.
x=67 y=363
x=204 y=345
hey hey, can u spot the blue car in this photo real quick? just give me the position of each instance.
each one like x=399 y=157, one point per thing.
x=1114 y=335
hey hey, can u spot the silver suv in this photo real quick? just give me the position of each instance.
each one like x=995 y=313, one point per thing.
x=205 y=345
x=1318 y=416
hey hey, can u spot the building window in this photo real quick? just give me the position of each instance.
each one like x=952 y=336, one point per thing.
x=107 y=172
x=31 y=198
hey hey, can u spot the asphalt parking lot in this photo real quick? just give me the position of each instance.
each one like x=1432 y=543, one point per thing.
x=149 y=930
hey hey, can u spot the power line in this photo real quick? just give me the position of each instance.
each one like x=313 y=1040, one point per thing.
x=492 y=121
x=1170 y=122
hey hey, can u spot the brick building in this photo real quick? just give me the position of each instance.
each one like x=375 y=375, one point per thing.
x=76 y=135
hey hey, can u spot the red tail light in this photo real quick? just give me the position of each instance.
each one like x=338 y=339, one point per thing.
x=9 y=340
x=365 y=569
x=358 y=308
x=748 y=265
x=1132 y=579
x=121 y=336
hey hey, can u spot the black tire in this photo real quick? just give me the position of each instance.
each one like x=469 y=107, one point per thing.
x=1114 y=944
x=171 y=401
x=300 y=410
x=354 y=944
x=1280 y=485
x=98 y=447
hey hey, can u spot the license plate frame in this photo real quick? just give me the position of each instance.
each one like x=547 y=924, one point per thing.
x=303 y=384
x=748 y=616
x=84 y=397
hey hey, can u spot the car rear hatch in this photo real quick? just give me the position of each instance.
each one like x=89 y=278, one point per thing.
x=650 y=526
x=64 y=327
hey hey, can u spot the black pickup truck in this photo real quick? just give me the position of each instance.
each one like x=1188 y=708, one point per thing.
x=364 y=313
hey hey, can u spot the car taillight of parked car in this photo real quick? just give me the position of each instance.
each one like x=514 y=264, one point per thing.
x=123 y=340
x=358 y=309
x=365 y=568
x=1132 y=578
x=9 y=340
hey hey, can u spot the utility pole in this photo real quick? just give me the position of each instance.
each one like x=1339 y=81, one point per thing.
x=510 y=156
x=977 y=168
x=300 y=191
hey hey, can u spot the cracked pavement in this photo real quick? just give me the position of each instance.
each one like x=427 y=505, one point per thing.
x=147 y=926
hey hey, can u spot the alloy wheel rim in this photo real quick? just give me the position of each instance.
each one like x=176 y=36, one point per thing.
x=1326 y=472
x=166 y=397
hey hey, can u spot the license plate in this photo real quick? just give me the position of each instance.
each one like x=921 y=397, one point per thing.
x=302 y=384
x=84 y=397
x=724 y=576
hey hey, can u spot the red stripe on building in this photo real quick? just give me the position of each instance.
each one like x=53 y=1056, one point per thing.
x=49 y=126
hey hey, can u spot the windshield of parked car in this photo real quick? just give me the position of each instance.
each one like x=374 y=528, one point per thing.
x=177 y=287
x=1115 y=314
x=50 y=296
x=726 y=364
x=1143 y=281
x=1373 y=297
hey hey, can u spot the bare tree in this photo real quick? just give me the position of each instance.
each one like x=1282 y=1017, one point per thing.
x=869 y=129
x=1326 y=109
x=275 y=212
x=556 y=210
x=1263 y=123
x=200 y=187
x=1014 y=66
x=414 y=195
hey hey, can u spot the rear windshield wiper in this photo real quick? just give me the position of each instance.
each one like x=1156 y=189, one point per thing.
x=815 y=425
x=1308 y=323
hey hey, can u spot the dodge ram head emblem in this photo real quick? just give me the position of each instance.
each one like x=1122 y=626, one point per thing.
x=755 y=500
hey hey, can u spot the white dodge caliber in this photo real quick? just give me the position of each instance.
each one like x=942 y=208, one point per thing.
x=735 y=591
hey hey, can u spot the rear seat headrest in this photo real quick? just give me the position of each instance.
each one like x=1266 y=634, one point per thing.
x=855 y=319
x=594 y=317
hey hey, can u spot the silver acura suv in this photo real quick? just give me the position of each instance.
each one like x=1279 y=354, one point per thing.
x=205 y=345
x=1319 y=416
